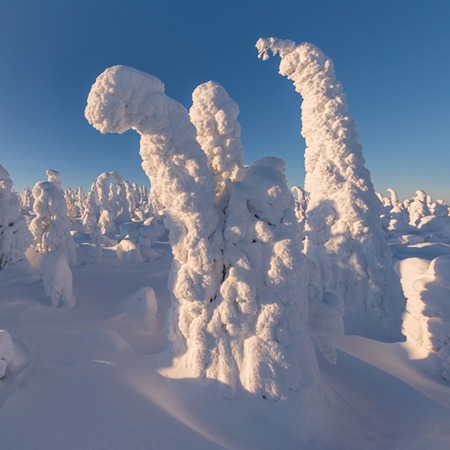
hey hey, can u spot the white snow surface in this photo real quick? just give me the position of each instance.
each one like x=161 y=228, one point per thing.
x=343 y=231
x=90 y=377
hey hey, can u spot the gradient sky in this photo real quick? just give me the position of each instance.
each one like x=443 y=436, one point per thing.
x=392 y=57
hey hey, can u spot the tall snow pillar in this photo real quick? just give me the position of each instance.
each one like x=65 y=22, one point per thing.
x=344 y=235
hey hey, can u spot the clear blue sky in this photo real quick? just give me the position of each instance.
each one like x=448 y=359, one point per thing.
x=392 y=56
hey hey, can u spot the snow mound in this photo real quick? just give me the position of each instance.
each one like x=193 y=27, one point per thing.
x=142 y=307
x=6 y=351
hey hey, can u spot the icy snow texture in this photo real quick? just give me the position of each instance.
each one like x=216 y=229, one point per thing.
x=239 y=281
x=14 y=235
x=344 y=235
x=52 y=238
x=214 y=115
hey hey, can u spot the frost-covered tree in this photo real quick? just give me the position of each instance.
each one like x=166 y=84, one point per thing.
x=107 y=203
x=124 y=98
x=214 y=115
x=344 y=235
x=91 y=212
x=14 y=235
x=26 y=201
x=239 y=281
x=418 y=208
x=440 y=208
x=52 y=239
x=394 y=197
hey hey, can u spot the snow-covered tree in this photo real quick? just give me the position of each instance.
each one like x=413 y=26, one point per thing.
x=440 y=208
x=91 y=211
x=214 y=115
x=344 y=235
x=14 y=235
x=107 y=203
x=239 y=281
x=52 y=239
x=418 y=207
x=394 y=197
x=26 y=201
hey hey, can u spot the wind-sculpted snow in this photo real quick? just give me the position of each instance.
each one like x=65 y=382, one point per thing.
x=344 y=235
x=214 y=115
x=240 y=283
x=14 y=235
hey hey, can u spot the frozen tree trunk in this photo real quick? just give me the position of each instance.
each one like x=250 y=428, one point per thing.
x=14 y=235
x=239 y=281
x=344 y=235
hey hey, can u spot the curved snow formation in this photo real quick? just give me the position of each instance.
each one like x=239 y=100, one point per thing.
x=239 y=281
x=14 y=235
x=124 y=98
x=214 y=115
x=344 y=235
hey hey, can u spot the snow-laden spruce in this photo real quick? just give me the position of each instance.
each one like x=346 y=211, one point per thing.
x=123 y=98
x=14 y=235
x=51 y=231
x=418 y=208
x=214 y=115
x=344 y=235
x=239 y=281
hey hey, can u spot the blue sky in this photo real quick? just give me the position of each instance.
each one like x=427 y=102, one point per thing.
x=392 y=56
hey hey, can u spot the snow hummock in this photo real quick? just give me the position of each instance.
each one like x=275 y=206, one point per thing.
x=343 y=231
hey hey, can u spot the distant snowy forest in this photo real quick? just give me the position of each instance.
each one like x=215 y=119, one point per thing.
x=264 y=279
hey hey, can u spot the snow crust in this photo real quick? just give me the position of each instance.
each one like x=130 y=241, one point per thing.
x=343 y=232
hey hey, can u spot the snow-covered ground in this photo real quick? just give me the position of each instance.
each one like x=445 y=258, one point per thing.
x=92 y=377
